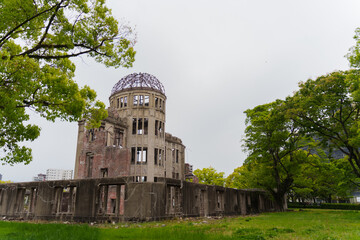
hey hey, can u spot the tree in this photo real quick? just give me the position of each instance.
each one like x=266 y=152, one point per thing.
x=323 y=178
x=210 y=176
x=37 y=40
x=354 y=54
x=274 y=144
x=237 y=179
x=328 y=109
x=2 y=182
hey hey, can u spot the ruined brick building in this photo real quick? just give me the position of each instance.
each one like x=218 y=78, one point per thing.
x=131 y=141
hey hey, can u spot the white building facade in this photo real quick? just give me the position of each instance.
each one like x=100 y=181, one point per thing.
x=58 y=174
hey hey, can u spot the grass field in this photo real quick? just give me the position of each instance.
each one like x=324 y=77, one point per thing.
x=308 y=224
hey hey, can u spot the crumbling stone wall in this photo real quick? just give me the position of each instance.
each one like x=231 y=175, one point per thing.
x=97 y=156
x=120 y=199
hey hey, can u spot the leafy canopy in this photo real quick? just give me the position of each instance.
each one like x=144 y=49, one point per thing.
x=210 y=176
x=274 y=145
x=328 y=109
x=238 y=179
x=37 y=40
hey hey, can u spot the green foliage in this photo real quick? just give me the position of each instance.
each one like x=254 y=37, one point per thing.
x=328 y=109
x=324 y=179
x=2 y=182
x=37 y=40
x=274 y=144
x=237 y=179
x=354 y=54
x=210 y=176
x=342 y=206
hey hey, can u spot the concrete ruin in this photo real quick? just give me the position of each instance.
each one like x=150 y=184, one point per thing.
x=120 y=199
x=128 y=169
x=131 y=141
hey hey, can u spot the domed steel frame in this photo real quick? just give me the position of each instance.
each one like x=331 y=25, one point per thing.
x=138 y=80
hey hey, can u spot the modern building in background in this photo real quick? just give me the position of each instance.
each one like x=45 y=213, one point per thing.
x=131 y=141
x=40 y=177
x=58 y=174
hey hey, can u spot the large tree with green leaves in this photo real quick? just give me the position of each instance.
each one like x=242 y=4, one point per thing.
x=274 y=144
x=238 y=179
x=328 y=109
x=38 y=38
x=210 y=176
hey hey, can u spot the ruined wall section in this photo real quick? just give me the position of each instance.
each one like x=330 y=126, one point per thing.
x=120 y=199
x=175 y=157
x=102 y=152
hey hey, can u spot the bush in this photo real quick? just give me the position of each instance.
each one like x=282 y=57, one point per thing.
x=342 y=206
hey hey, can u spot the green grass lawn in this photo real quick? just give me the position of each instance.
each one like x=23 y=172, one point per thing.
x=307 y=224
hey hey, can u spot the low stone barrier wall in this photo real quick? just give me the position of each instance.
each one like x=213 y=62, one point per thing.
x=119 y=199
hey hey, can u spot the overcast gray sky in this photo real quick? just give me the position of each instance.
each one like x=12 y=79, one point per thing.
x=215 y=59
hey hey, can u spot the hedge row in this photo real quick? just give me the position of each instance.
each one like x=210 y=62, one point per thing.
x=343 y=206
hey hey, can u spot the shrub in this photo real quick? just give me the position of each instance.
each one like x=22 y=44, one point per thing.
x=342 y=206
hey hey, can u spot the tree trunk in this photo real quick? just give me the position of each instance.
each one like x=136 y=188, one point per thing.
x=279 y=201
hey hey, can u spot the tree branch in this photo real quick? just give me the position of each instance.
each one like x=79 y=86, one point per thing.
x=3 y=39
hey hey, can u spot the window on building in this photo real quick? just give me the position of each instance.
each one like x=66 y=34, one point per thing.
x=91 y=134
x=125 y=101
x=138 y=155
x=156 y=127
x=160 y=104
x=140 y=127
x=140 y=179
x=156 y=102
x=134 y=126
x=173 y=155
x=106 y=138
x=144 y=155
x=117 y=102
x=177 y=176
x=155 y=179
x=161 y=129
x=133 y=155
x=141 y=100
x=146 y=126
x=112 y=205
x=89 y=163
x=155 y=156
x=136 y=100
x=103 y=172
x=118 y=137
x=160 y=157
x=121 y=102
x=177 y=155
x=146 y=100
x=141 y=157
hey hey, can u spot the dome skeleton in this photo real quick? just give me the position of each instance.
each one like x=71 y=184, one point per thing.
x=138 y=80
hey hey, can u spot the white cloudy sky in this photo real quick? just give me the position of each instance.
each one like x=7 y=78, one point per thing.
x=216 y=59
